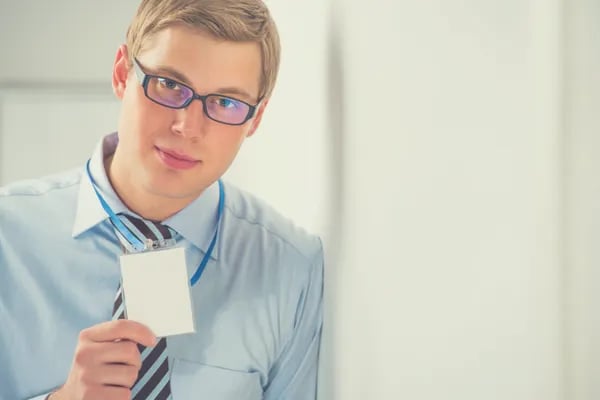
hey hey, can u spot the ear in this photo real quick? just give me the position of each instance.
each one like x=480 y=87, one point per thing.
x=120 y=71
x=258 y=117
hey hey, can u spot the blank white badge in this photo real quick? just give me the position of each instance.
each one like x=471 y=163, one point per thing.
x=156 y=291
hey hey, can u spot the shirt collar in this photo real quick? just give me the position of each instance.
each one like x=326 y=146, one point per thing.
x=196 y=222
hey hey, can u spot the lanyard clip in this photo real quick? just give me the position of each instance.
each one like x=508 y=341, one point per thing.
x=150 y=244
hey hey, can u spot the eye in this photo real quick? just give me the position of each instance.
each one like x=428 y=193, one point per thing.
x=169 y=84
x=225 y=102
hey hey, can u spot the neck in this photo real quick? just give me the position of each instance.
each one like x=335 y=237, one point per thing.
x=147 y=205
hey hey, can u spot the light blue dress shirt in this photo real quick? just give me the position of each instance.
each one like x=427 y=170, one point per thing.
x=257 y=306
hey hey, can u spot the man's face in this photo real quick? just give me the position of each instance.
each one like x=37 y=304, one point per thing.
x=177 y=153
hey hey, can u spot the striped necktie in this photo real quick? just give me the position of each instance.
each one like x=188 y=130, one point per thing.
x=153 y=378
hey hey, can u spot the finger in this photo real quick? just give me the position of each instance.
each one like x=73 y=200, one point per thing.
x=121 y=352
x=103 y=392
x=118 y=375
x=121 y=329
x=93 y=355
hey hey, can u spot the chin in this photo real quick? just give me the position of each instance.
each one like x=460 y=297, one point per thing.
x=171 y=191
x=174 y=184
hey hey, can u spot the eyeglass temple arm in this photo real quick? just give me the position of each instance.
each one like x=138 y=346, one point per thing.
x=138 y=71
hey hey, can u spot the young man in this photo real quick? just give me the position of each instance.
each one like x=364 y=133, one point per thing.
x=194 y=79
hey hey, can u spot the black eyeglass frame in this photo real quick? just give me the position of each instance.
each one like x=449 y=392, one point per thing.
x=144 y=79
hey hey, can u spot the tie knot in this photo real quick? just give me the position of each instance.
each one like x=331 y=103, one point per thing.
x=152 y=234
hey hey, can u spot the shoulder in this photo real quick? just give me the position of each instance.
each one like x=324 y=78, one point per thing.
x=251 y=216
x=41 y=186
x=34 y=197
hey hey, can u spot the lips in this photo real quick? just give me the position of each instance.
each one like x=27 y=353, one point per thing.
x=176 y=160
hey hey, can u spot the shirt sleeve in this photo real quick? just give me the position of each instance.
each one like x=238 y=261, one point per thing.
x=294 y=375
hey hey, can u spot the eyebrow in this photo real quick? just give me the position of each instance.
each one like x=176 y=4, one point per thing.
x=238 y=93
x=229 y=91
x=159 y=70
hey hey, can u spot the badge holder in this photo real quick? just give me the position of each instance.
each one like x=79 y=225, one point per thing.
x=156 y=290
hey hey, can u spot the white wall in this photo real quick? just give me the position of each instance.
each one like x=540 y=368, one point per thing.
x=582 y=190
x=55 y=91
x=448 y=282
x=61 y=41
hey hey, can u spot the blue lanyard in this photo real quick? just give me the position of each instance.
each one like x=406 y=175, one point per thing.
x=140 y=246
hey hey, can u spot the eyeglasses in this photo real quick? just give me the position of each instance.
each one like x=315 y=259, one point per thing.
x=172 y=94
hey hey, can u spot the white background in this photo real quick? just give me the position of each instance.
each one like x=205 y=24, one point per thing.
x=445 y=150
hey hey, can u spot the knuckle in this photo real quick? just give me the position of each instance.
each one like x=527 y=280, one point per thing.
x=135 y=362
x=132 y=374
x=86 y=378
x=82 y=355
x=130 y=347
x=84 y=334
x=132 y=353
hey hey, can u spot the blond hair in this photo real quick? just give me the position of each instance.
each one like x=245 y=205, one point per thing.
x=232 y=20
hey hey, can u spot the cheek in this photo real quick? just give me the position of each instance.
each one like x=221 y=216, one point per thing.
x=141 y=109
x=143 y=119
x=222 y=147
x=233 y=140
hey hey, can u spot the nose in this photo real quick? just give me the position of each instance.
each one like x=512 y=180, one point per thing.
x=190 y=121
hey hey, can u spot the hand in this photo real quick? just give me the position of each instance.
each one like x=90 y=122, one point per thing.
x=106 y=361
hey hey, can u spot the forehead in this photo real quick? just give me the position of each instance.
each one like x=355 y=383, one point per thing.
x=204 y=62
